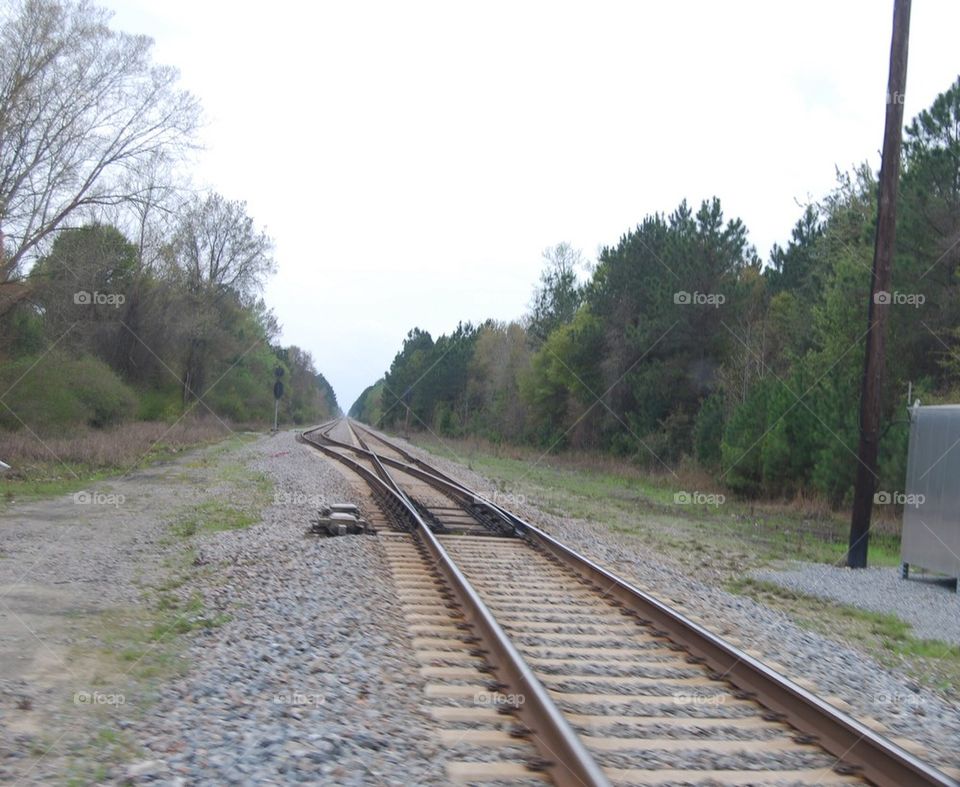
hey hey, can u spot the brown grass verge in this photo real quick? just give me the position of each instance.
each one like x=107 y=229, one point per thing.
x=119 y=447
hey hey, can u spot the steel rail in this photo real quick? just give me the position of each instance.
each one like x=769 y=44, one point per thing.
x=404 y=453
x=859 y=750
x=566 y=759
x=370 y=455
x=365 y=473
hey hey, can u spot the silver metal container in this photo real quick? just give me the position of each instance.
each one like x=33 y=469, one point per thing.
x=931 y=502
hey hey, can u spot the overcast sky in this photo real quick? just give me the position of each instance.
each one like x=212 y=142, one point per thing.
x=412 y=160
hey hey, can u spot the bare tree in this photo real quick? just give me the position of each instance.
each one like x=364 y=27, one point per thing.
x=219 y=251
x=81 y=106
x=150 y=217
x=220 y=258
x=558 y=296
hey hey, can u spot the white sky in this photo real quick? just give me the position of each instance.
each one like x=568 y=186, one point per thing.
x=412 y=160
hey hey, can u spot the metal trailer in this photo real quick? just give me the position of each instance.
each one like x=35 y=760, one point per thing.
x=931 y=502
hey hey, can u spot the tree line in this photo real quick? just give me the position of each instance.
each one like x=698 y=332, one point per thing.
x=124 y=291
x=681 y=346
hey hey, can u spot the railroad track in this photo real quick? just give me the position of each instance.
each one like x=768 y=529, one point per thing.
x=542 y=665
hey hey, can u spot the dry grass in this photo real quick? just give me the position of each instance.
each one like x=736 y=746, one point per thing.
x=686 y=475
x=632 y=499
x=121 y=447
x=805 y=511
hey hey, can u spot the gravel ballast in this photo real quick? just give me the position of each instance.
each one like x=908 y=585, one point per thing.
x=311 y=680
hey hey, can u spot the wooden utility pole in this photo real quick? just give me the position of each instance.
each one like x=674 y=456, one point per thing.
x=879 y=306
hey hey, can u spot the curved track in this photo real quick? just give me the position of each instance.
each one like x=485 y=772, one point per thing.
x=554 y=667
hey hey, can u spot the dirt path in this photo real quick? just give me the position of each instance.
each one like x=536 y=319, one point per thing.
x=79 y=645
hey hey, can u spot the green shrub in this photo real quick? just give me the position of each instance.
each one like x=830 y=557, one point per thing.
x=708 y=431
x=244 y=393
x=25 y=332
x=160 y=404
x=54 y=392
x=741 y=451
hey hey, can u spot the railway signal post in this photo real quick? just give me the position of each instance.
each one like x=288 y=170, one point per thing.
x=277 y=394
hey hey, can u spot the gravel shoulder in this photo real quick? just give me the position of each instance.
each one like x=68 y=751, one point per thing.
x=929 y=604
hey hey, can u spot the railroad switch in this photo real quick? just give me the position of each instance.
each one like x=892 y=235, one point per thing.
x=339 y=519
